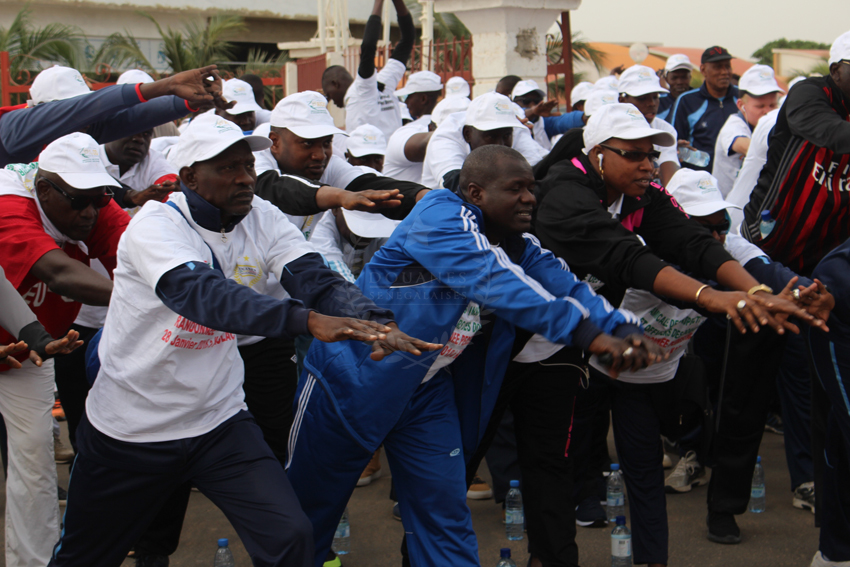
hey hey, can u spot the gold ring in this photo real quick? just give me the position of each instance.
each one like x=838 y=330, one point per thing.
x=741 y=305
x=628 y=351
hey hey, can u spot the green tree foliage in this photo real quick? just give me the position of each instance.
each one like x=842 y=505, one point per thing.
x=764 y=54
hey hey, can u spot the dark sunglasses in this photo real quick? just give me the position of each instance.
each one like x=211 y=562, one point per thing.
x=720 y=228
x=80 y=203
x=634 y=155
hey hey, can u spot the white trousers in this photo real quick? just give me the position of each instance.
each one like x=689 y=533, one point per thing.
x=32 y=507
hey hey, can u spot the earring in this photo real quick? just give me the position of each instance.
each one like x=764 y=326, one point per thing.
x=601 y=170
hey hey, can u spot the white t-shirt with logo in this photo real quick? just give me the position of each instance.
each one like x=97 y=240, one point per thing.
x=365 y=104
x=727 y=163
x=396 y=164
x=163 y=377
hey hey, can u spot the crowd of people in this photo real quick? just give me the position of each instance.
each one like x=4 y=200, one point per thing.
x=447 y=279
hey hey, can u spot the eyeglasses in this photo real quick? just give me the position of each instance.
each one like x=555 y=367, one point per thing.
x=634 y=155
x=82 y=202
x=720 y=228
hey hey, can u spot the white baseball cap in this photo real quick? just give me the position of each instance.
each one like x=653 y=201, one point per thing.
x=134 y=77
x=677 y=62
x=491 y=111
x=457 y=86
x=759 y=80
x=306 y=115
x=599 y=98
x=209 y=135
x=697 y=192
x=580 y=92
x=76 y=159
x=421 y=82
x=623 y=121
x=369 y=225
x=607 y=82
x=243 y=94
x=366 y=140
x=449 y=105
x=840 y=50
x=639 y=80
x=525 y=87
x=58 y=83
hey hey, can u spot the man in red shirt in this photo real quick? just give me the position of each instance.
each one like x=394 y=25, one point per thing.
x=54 y=216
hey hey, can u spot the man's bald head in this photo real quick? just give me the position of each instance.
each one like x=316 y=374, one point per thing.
x=506 y=84
x=335 y=82
x=487 y=163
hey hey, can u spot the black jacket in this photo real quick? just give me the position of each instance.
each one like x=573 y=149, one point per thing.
x=805 y=183
x=573 y=222
x=296 y=196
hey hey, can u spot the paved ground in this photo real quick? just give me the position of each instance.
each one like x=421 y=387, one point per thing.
x=783 y=536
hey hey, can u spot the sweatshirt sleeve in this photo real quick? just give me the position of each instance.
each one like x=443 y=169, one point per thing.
x=811 y=116
x=291 y=194
x=447 y=242
x=139 y=118
x=369 y=46
x=205 y=296
x=555 y=125
x=15 y=314
x=25 y=132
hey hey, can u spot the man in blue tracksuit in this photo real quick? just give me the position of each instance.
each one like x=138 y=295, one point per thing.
x=457 y=271
x=107 y=114
x=699 y=114
x=831 y=356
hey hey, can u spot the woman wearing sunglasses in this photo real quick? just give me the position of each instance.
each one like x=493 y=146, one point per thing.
x=599 y=210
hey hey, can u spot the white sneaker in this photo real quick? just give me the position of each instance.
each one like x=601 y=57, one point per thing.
x=666 y=461
x=687 y=474
x=820 y=561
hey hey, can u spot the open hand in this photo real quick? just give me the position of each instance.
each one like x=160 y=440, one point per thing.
x=370 y=200
x=397 y=341
x=7 y=351
x=815 y=298
x=333 y=329
x=198 y=87
x=544 y=108
x=66 y=345
x=153 y=193
x=632 y=353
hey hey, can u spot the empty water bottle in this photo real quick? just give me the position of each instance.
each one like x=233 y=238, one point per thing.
x=693 y=156
x=514 y=516
x=757 y=500
x=616 y=495
x=506 y=560
x=766 y=225
x=223 y=557
x=621 y=544
x=342 y=536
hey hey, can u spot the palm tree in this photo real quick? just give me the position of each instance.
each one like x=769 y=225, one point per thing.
x=582 y=50
x=32 y=48
x=194 y=46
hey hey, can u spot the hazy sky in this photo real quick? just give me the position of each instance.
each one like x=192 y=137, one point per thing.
x=742 y=26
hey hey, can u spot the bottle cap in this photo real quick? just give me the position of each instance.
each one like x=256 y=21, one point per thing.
x=615 y=467
x=223 y=542
x=758 y=459
x=506 y=553
x=621 y=520
x=765 y=216
x=514 y=484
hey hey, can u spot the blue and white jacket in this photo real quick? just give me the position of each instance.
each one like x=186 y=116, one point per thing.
x=443 y=280
x=698 y=117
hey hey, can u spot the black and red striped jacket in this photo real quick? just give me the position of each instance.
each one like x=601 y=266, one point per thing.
x=805 y=183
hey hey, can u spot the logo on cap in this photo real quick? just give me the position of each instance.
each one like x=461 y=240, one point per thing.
x=370 y=139
x=318 y=106
x=644 y=75
x=765 y=74
x=90 y=155
x=635 y=114
x=706 y=185
x=503 y=108
x=224 y=125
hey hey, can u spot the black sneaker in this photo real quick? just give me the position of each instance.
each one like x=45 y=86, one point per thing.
x=722 y=528
x=151 y=561
x=774 y=424
x=589 y=513
x=63 y=495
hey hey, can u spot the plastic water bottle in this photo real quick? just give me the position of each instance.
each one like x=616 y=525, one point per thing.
x=342 y=536
x=766 y=225
x=514 y=515
x=506 y=560
x=757 y=491
x=621 y=544
x=693 y=156
x=223 y=557
x=616 y=495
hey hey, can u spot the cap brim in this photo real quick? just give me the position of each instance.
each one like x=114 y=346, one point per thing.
x=645 y=90
x=88 y=180
x=313 y=132
x=366 y=152
x=243 y=107
x=659 y=137
x=256 y=143
x=680 y=66
x=369 y=225
x=763 y=91
x=530 y=91
x=717 y=58
x=402 y=92
x=488 y=125
x=709 y=208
